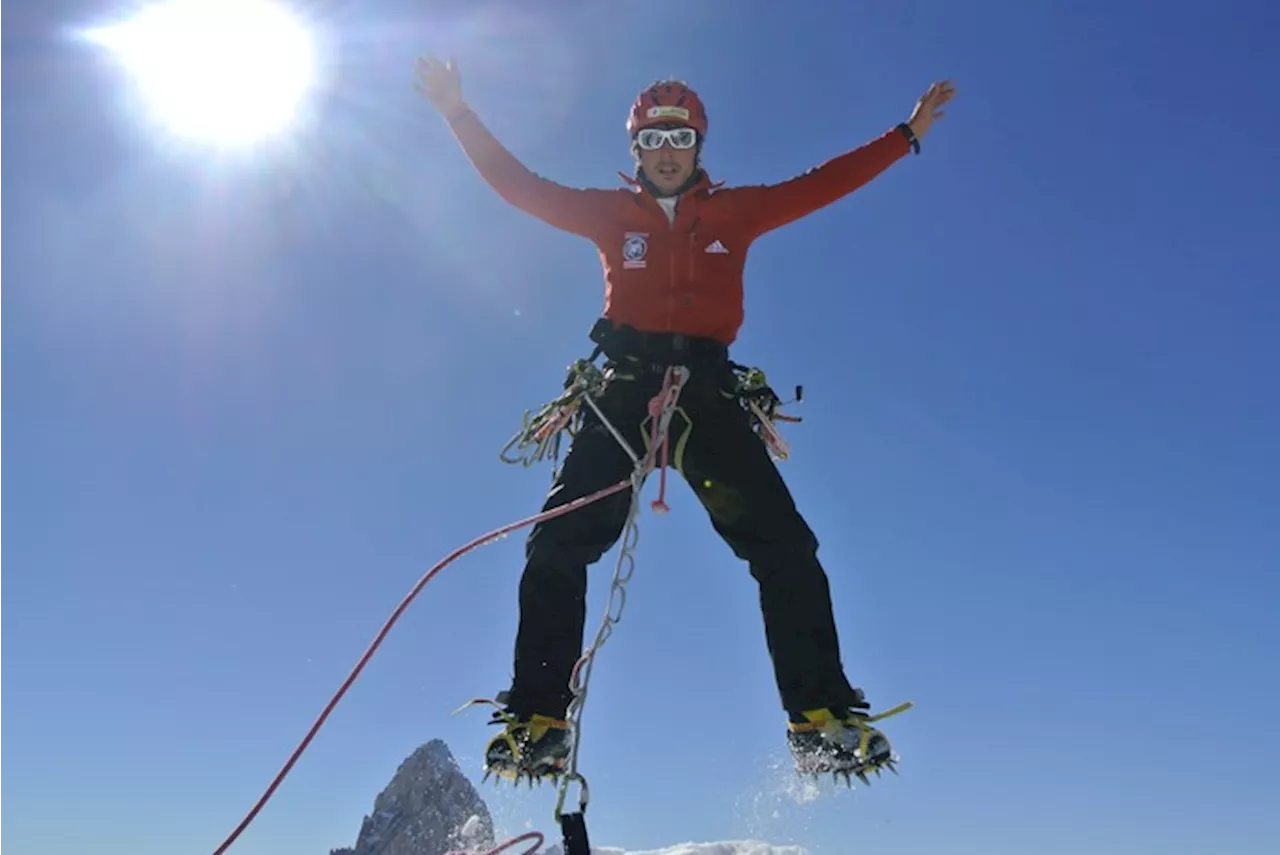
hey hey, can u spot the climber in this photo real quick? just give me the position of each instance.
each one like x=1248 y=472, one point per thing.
x=673 y=245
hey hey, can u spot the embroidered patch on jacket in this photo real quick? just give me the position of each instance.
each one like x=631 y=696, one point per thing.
x=635 y=246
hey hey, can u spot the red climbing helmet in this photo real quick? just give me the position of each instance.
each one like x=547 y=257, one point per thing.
x=666 y=102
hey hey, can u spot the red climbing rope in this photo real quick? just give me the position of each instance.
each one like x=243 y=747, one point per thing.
x=386 y=627
x=535 y=836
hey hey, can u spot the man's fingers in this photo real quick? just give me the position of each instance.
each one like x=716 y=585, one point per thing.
x=430 y=62
x=940 y=90
x=939 y=93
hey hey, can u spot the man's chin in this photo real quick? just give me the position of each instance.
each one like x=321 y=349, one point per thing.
x=669 y=184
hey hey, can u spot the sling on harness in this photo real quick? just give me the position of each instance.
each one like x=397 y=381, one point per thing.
x=541 y=431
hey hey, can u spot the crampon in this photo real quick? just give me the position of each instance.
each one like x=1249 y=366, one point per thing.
x=844 y=748
x=534 y=750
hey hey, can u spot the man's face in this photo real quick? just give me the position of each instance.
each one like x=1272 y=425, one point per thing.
x=668 y=155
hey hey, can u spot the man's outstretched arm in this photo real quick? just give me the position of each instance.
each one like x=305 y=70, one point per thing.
x=776 y=205
x=568 y=208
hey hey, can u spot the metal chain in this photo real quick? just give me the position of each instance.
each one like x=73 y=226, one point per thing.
x=661 y=410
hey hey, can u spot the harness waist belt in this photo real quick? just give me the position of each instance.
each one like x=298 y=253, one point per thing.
x=623 y=342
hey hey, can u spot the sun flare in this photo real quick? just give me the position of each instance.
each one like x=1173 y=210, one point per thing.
x=226 y=72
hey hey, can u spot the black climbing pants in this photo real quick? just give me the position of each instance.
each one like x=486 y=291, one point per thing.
x=730 y=470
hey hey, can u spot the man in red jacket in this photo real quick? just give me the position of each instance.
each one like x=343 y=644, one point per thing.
x=672 y=245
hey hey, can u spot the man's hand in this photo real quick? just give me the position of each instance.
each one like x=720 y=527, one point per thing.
x=928 y=107
x=439 y=81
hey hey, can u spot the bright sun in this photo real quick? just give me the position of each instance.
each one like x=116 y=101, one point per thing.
x=226 y=72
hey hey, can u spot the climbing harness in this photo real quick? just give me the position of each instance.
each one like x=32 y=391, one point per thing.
x=540 y=433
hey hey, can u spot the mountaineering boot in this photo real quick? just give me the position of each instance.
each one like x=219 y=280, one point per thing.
x=529 y=747
x=838 y=741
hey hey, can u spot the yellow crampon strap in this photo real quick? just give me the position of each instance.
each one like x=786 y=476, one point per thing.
x=537 y=725
x=819 y=719
x=822 y=719
x=902 y=707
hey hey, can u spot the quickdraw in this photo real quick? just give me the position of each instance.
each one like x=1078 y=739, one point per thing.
x=539 y=436
x=763 y=405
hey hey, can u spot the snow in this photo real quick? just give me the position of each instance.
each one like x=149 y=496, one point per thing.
x=470 y=828
x=746 y=847
x=728 y=847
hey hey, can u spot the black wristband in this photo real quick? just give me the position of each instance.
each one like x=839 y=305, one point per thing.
x=911 y=136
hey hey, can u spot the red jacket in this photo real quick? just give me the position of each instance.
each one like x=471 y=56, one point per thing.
x=683 y=276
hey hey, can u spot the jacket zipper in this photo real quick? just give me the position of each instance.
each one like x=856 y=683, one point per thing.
x=671 y=278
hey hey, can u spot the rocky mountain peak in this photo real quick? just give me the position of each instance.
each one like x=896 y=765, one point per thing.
x=429 y=808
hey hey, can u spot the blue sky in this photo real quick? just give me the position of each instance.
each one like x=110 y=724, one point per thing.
x=253 y=398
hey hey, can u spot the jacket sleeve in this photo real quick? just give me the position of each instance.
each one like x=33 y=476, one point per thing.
x=571 y=209
x=774 y=205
